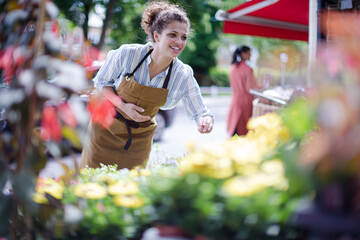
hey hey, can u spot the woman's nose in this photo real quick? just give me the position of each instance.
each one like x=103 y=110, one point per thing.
x=178 y=40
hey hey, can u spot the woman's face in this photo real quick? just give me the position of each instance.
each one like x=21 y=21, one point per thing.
x=171 y=42
x=246 y=55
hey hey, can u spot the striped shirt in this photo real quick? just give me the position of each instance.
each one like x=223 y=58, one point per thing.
x=182 y=84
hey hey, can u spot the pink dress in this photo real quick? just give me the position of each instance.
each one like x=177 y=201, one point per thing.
x=240 y=110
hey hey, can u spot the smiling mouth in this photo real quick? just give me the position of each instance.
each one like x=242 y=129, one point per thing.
x=176 y=49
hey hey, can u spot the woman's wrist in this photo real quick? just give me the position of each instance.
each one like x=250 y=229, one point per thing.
x=110 y=94
x=207 y=115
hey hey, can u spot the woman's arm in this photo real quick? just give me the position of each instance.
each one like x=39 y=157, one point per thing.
x=253 y=81
x=129 y=109
x=195 y=106
x=105 y=83
x=110 y=70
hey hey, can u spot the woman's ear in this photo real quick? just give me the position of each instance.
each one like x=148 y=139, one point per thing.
x=156 y=36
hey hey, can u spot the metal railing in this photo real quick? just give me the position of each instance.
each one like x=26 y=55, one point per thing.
x=215 y=90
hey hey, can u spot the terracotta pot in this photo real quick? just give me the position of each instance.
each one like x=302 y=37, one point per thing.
x=171 y=231
x=202 y=237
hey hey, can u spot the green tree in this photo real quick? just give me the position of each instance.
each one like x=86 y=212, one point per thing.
x=109 y=14
x=125 y=24
x=123 y=17
x=202 y=45
x=77 y=11
x=200 y=52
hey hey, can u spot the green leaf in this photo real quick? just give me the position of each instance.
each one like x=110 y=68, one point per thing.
x=36 y=159
x=5 y=213
x=299 y=117
x=3 y=173
x=24 y=185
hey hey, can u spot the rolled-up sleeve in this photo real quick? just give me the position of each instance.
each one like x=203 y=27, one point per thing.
x=193 y=101
x=109 y=71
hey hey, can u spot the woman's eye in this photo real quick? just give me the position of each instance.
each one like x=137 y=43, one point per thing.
x=172 y=35
x=183 y=38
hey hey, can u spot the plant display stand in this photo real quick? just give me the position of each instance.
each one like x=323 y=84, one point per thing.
x=154 y=233
x=323 y=225
x=260 y=108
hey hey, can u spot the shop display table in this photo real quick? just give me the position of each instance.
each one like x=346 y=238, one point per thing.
x=322 y=225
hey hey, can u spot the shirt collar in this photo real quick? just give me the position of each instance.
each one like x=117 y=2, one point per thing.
x=148 y=61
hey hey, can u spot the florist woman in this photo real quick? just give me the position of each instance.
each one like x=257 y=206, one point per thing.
x=145 y=78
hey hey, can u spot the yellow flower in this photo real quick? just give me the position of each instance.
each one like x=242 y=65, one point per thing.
x=275 y=174
x=51 y=187
x=268 y=129
x=247 y=151
x=207 y=165
x=267 y=121
x=40 y=198
x=246 y=154
x=130 y=201
x=274 y=166
x=123 y=187
x=106 y=179
x=243 y=186
x=139 y=172
x=90 y=190
x=84 y=171
x=247 y=169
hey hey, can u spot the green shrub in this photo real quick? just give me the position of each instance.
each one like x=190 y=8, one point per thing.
x=219 y=77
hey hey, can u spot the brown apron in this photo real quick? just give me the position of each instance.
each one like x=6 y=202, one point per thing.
x=126 y=143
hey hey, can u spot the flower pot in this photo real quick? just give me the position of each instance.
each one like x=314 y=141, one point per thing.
x=171 y=231
x=202 y=237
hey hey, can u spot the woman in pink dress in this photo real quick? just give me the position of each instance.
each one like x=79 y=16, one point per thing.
x=241 y=80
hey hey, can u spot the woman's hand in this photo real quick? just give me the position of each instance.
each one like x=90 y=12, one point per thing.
x=134 y=111
x=130 y=109
x=205 y=124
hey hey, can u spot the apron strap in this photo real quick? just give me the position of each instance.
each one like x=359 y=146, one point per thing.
x=165 y=85
x=139 y=64
x=128 y=142
x=128 y=128
x=167 y=79
x=130 y=124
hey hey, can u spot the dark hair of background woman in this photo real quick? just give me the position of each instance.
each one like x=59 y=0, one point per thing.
x=237 y=54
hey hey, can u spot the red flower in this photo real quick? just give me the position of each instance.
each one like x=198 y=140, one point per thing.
x=67 y=115
x=7 y=63
x=102 y=111
x=50 y=125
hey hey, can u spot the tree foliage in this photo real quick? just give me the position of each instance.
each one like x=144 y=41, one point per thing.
x=77 y=11
x=200 y=52
x=125 y=27
x=202 y=45
x=39 y=87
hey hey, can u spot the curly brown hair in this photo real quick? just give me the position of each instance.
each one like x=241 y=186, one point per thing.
x=158 y=14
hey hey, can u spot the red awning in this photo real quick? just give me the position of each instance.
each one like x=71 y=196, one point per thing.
x=285 y=19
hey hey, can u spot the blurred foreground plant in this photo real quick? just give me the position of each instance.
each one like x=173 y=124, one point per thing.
x=324 y=156
x=234 y=190
x=43 y=111
x=103 y=203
